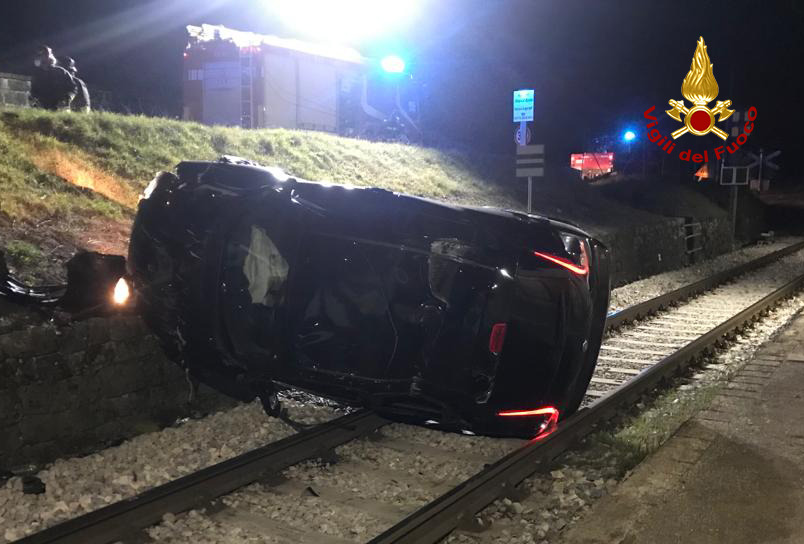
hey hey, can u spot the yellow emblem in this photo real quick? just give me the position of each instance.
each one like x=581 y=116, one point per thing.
x=700 y=88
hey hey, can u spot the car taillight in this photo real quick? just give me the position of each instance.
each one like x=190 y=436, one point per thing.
x=497 y=338
x=576 y=248
x=549 y=413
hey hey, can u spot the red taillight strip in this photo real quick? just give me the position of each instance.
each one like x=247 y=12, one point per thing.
x=572 y=267
x=553 y=412
x=548 y=427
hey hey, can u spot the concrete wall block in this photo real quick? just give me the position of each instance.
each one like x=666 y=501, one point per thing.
x=129 y=404
x=98 y=330
x=51 y=368
x=131 y=348
x=10 y=407
x=15 y=343
x=86 y=390
x=118 y=379
x=74 y=338
x=125 y=327
x=89 y=392
x=637 y=253
x=46 y=398
x=76 y=363
x=88 y=417
x=10 y=443
x=38 y=428
x=18 y=85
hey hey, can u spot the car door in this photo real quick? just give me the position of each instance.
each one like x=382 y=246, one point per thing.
x=258 y=258
x=339 y=320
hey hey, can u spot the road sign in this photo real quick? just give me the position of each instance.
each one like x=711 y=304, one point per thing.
x=764 y=160
x=523 y=105
x=530 y=161
x=518 y=136
x=771 y=164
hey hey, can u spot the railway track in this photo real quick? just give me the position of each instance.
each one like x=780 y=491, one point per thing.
x=382 y=472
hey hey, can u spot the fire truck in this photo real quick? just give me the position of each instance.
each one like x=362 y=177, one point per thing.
x=250 y=80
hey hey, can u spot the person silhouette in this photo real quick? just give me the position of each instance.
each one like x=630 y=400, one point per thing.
x=81 y=101
x=52 y=87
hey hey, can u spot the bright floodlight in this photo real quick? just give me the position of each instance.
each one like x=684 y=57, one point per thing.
x=393 y=64
x=344 y=20
x=629 y=135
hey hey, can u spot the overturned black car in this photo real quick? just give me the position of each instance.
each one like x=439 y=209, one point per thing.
x=476 y=318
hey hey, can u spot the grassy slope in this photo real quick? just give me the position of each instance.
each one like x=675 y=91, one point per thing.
x=133 y=148
x=72 y=180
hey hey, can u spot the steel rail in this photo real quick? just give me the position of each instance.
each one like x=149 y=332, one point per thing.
x=120 y=520
x=653 y=305
x=437 y=519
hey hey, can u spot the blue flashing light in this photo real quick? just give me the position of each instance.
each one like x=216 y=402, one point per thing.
x=629 y=135
x=393 y=64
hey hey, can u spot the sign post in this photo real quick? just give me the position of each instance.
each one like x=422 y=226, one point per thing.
x=530 y=164
x=523 y=112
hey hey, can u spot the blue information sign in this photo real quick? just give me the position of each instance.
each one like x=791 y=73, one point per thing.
x=523 y=105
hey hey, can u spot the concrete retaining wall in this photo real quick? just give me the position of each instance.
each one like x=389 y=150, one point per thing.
x=70 y=390
x=14 y=89
x=658 y=247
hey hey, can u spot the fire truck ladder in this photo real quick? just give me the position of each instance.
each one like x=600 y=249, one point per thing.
x=246 y=89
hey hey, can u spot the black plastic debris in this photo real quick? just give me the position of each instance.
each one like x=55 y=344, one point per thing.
x=32 y=485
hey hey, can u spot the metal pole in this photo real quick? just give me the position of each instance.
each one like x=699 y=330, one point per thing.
x=760 y=168
x=530 y=191
x=734 y=189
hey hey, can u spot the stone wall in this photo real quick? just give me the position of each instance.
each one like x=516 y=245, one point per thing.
x=14 y=89
x=72 y=389
x=658 y=247
x=716 y=238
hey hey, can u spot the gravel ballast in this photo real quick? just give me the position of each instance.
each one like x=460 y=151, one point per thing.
x=82 y=484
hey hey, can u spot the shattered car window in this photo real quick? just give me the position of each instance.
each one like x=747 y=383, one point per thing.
x=265 y=269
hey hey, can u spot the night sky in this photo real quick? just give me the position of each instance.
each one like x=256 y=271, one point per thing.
x=595 y=66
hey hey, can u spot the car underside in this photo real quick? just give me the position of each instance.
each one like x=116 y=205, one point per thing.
x=478 y=319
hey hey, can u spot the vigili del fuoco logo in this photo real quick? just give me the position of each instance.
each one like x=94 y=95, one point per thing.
x=700 y=88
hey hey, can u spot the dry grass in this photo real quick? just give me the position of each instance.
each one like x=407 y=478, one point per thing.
x=79 y=171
